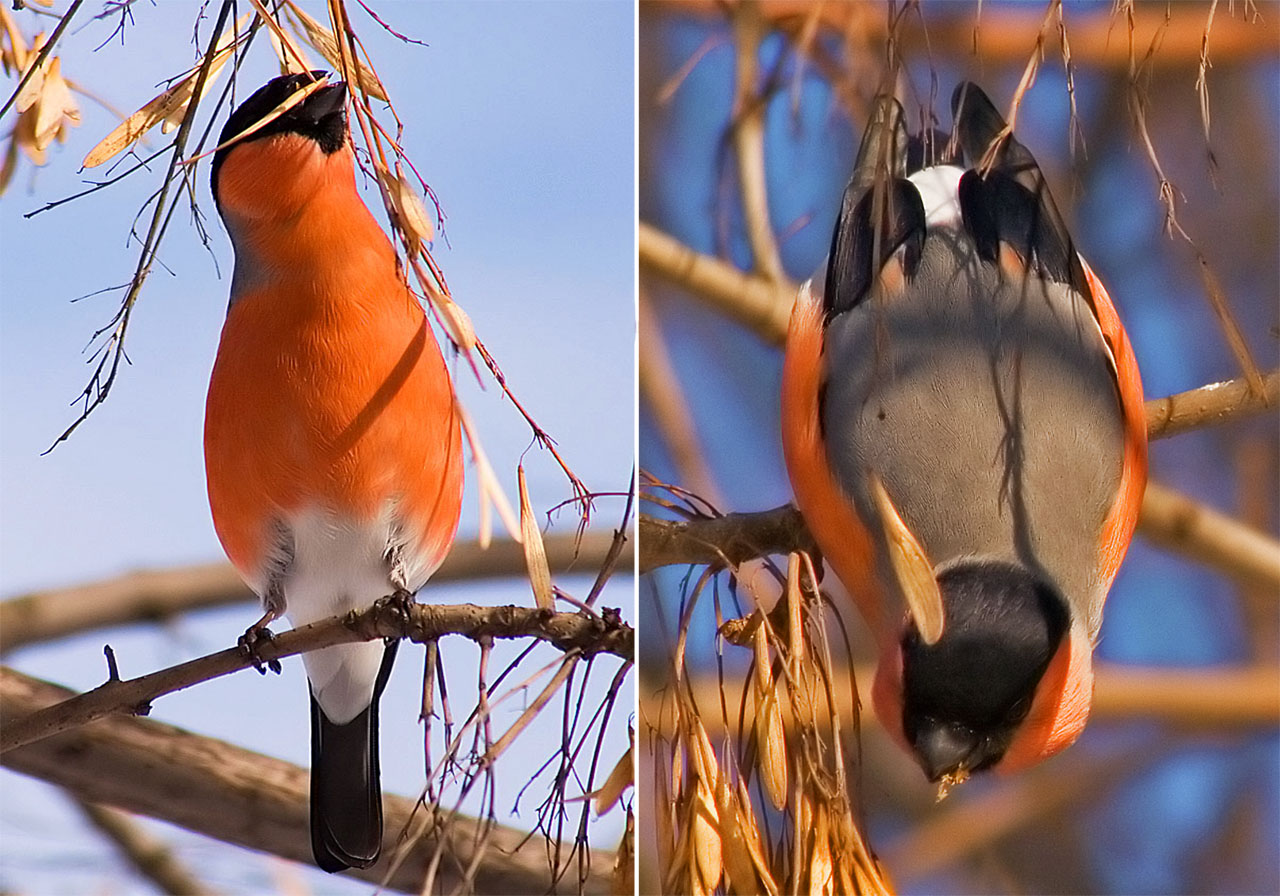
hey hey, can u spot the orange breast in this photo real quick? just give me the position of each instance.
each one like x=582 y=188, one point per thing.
x=329 y=391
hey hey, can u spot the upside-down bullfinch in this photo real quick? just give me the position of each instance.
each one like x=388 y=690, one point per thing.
x=332 y=441
x=963 y=428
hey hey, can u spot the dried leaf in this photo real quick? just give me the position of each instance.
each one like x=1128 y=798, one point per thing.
x=9 y=165
x=623 y=881
x=735 y=853
x=456 y=323
x=820 y=868
x=535 y=553
x=622 y=777
x=490 y=490
x=773 y=749
x=412 y=214
x=911 y=567
x=704 y=755
x=168 y=107
x=132 y=128
x=763 y=665
x=707 y=848
x=16 y=56
x=320 y=37
x=795 y=624
x=24 y=136
x=30 y=91
x=750 y=830
x=55 y=107
x=222 y=53
x=293 y=59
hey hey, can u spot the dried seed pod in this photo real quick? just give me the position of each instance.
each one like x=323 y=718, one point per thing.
x=772 y=739
x=705 y=840
x=821 y=880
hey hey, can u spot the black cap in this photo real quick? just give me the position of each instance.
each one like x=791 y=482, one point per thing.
x=320 y=117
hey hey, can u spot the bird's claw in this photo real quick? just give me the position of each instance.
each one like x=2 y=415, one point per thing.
x=400 y=603
x=250 y=644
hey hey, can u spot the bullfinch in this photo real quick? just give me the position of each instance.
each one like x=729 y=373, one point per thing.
x=963 y=428
x=333 y=448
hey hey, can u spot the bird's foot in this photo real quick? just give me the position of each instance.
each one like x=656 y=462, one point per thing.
x=400 y=604
x=250 y=644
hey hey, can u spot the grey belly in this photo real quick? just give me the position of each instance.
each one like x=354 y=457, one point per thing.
x=988 y=408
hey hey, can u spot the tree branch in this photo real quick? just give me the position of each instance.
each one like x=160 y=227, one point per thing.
x=731 y=539
x=1097 y=40
x=1179 y=523
x=1210 y=405
x=764 y=308
x=150 y=857
x=1168 y=518
x=251 y=800
x=586 y=634
x=748 y=140
x=1242 y=697
x=156 y=595
x=753 y=301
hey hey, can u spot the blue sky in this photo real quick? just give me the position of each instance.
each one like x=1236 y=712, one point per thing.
x=520 y=116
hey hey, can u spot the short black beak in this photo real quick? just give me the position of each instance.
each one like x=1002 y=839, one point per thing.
x=326 y=101
x=945 y=748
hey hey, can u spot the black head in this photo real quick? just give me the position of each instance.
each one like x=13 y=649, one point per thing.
x=321 y=117
x=964 y=697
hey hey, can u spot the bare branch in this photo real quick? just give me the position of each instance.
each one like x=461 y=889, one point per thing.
x=579 y=632
x=1176 y=522
x=1168 y=518
x=731 y=539
x=1211 y=405
x=161 y=594
x=1007 y=31
x=1241 y=697
x=150 y=856
x=758 y=304
x=248 y=799
x=748 y=139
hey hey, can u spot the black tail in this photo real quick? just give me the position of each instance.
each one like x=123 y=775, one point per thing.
x=346 y=794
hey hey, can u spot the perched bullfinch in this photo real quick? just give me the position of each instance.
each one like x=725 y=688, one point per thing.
x=963 y=428
x=332 y=441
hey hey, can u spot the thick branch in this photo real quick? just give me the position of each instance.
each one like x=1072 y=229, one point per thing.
x=245 y=798
x=160 y=594
x=1006 y=34
x=567 y=631
x=1210 y=405
x=748 y=140
x=755 y=302
x=150 y=856
x=1176 y=522
x=1245 y=697
x=1167 y=518
x=764 y=308
x=733 y=538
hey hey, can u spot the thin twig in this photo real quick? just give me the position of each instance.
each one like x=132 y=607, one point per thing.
x=422 y=624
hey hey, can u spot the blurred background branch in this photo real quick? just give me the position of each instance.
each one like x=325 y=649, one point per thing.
x=259 y=802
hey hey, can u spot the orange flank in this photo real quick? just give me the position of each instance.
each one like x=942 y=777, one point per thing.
x=1060 y=708
x=1117 y=531
x=845 y=541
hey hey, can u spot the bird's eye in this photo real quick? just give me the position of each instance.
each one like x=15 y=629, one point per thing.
x=1019 y=710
